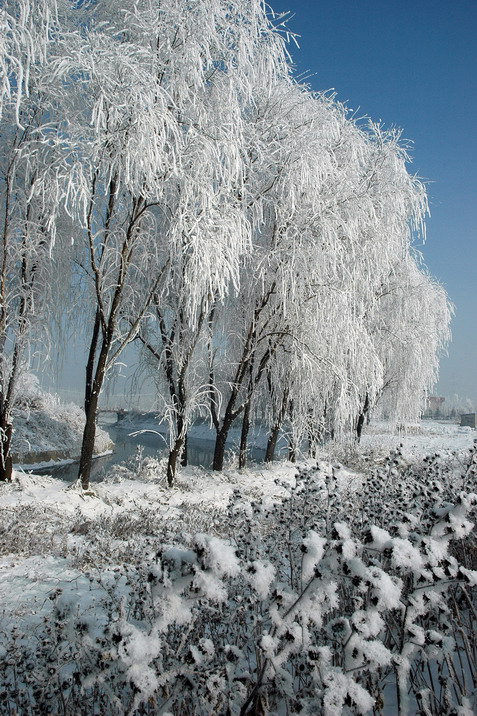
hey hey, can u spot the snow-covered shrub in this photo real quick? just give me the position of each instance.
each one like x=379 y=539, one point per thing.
x=139 y=467
x=43 y=424
x=30 y=529
x=30 y=396
x=329 y=601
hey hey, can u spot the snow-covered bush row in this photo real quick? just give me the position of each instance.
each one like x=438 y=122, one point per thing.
x=324 y=602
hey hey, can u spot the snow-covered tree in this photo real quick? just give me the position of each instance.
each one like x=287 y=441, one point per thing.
x=254 y=238
x=31 y=171
x=455 y=405
x=379 y=208
x=212 y=59
x=158 y=165
x=287 y=161
x=26 y=29
x=336 y=209
x=410 y=331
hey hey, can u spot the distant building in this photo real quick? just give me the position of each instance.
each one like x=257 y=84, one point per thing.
x=468 y=420
x=433 y=404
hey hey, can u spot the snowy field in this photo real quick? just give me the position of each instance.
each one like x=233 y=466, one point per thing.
x=427 y=437
x=338 y=587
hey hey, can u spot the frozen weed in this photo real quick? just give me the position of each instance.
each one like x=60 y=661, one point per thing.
x=328 y=601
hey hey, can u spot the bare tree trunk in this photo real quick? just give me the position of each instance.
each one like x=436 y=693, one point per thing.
x=89 y=433
x=179 y=449
x=244 y=435
x=312 y=448
x=106 y=321
x=178 y=452
x=181 y=417
x=359 y=427
x=6 y=427
x=229 y=417
x=275 y=431
x=292 y=447
x=174 y=455
x=246 y=417
x=6 y=460
x=87 y=446
x=184 y=456
x=361 y=418
x=176 y=374
x=6 y=404
x=221 y=439
x=272 y=443
x=8 y=383
x=91 y=358
x=233 y=410
x=314 y=435
x=291 y=451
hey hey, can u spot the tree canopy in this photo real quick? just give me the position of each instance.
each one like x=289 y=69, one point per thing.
x=256 y=240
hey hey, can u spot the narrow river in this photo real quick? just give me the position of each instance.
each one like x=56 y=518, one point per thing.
x=130 y=444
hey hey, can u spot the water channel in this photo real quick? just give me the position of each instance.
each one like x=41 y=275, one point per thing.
x=131 y=441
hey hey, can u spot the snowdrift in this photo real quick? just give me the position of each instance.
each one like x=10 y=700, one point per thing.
x=46 y=429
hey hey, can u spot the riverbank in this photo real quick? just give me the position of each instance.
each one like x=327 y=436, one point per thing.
x=138 y=436
x=48 y=432
x=141 y=480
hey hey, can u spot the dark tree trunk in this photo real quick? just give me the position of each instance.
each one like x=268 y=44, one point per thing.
x=91 y=358
x=181 y=417
x=233 y=411
x=312 y=447
x=178 y=452
x=219 y=451
x=244 y=367
x=272 y=442
x=275 y=431
x=359 y=426
x=247 y=409
x=174 y=455
x=176 y=377
x=87 y=447
x=361 y=418
x=184 y=456
x=230 y=414
x=6 y=427
x=89 y=434
x=6 y=460
x=221 y=439
x=106 y=320
x=181 y=432
x=292 y=451
x=291 y=440
x=244 y=436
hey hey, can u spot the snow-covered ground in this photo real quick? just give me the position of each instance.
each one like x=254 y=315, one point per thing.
x=427 y=437
x=63 y=549
x=197 y=494
x=143 y=483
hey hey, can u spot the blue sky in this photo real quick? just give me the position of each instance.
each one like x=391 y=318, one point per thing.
x=413 y=64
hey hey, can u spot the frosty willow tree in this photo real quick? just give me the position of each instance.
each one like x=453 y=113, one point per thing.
x=158 y=167
x=252 y=238
x=30 y=192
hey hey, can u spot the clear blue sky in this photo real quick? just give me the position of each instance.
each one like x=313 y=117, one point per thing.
x=413 y=64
